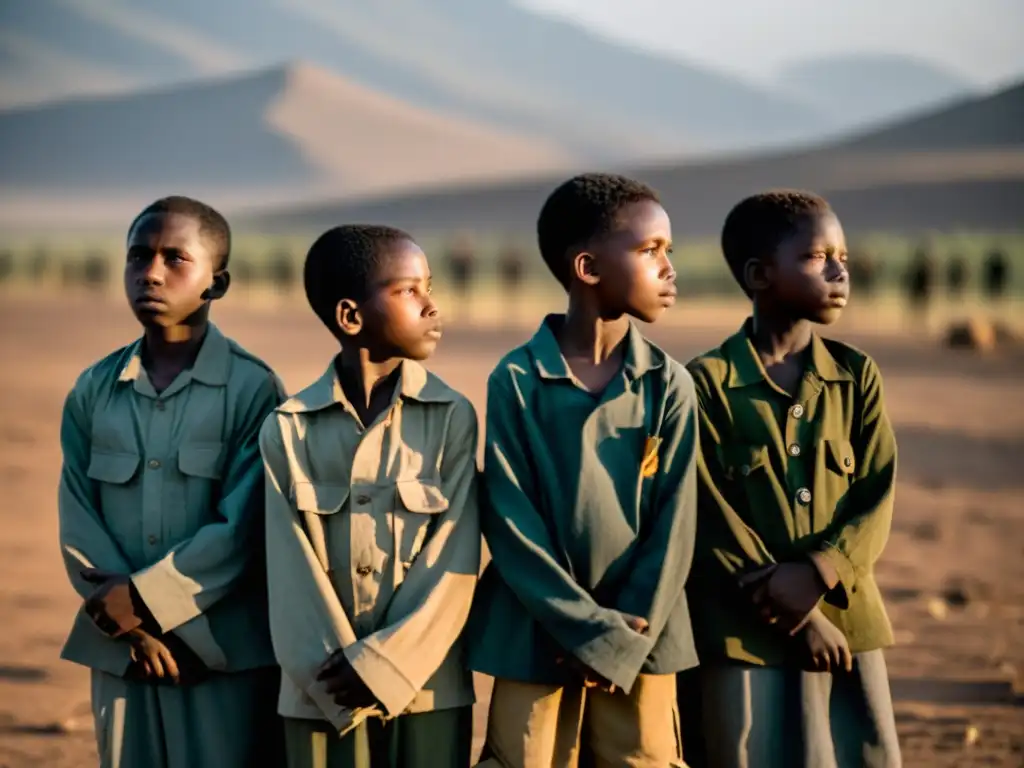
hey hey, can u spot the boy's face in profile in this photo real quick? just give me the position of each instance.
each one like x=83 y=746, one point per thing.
x=399 y=316
x=171 y=271
x=807 y=273
x=635 y=274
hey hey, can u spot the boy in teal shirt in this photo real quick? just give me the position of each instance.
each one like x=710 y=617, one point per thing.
x=161 y=515
x=589 y=501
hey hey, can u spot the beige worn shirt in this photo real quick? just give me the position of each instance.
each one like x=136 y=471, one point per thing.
x=373 y=545
x=167 y=488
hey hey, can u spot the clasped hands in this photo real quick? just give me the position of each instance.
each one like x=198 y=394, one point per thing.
x=115 y=608
x=786 y=595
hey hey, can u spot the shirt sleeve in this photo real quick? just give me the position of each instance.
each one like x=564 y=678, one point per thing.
x=85 y=541
x=525 y=556
x=307 y=620
x=724 y=540
x=864 y=516
x=434 y=598
x=202 y=569
x=662 y=564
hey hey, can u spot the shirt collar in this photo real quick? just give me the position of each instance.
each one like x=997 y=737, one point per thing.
x=211 y=365
x=416 y=383
x=551 y=364
x=745 y=367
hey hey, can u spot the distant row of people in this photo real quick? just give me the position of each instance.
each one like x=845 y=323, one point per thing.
x=922 y=278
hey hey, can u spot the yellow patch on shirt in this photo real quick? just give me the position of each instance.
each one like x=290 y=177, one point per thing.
x=649 y=465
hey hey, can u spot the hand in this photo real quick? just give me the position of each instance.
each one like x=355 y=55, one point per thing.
x=111 y=606
x=789 y=594
x=637 y=623
x=151 y=659
x=584 y=674
x=344 y=683
x=826 y=647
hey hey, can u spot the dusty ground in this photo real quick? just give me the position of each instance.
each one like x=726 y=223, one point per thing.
x=953 y=571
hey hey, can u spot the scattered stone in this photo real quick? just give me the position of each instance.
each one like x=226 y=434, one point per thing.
x=955 y=595
x=971 y=736
x=937 y=608
x=973 y=333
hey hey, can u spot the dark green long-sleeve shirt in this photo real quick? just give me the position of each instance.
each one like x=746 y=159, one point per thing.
x=589 y=511
x=782 y=477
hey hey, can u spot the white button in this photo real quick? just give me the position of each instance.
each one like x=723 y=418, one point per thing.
x=794 y=450
x=796 y=411
x=803 y=496
x=154 y=464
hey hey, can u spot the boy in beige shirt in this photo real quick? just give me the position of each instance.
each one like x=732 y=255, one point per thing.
x=372 y=526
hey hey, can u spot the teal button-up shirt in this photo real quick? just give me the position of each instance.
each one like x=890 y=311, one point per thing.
x=168 y=488
x=589 y=511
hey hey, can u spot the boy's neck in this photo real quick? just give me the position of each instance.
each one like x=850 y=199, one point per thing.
x=778 y=336
x=172 y=350
x=587 y=336
x=367 y=382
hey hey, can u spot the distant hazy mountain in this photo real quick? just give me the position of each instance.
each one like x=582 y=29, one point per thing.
x=992 y=121
x=947 y=169
x=486 y=60
x=860 y=89
x=289 y=129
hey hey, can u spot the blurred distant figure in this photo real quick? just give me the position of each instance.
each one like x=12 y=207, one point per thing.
x=461 y=261
x=281 y=271
x=243 y=273
x=863 y=271
x=6 y=266
x=511 y=268
x=38 y=265
x=95 y=271
x=996 y=275
x=919 y=283
x=956 y=277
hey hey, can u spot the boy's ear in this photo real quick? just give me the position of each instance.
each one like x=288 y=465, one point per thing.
x=756 y=275
x=584 y=268
x=348 y=317
x=219 y=286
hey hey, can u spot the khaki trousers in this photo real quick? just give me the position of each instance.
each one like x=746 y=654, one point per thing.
x=547 y=726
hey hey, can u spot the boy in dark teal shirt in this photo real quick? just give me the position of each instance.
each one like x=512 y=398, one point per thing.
x=589 y=501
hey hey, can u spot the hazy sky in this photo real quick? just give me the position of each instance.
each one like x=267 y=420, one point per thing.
x=981 y=39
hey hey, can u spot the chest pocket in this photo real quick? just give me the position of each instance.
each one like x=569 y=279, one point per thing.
x=316 y=501
x=201 y=467
x=840 y=458
x=117 y=477
x=742 y=460
x=418 y=503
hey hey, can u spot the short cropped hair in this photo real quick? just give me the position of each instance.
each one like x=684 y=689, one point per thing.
x=580 y=209
x=211 y=223
x=757 y=225
x=340 y=265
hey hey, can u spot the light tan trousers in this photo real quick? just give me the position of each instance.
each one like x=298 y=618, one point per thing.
x=547 y=726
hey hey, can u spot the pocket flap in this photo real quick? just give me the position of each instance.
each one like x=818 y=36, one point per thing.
x=840 y=456
x=201 y=460
x=421 y=496
x=743 y=457
x=113 y=467
x=320 y=498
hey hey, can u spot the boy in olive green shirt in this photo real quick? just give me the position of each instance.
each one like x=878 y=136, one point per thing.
x=161 y=507
x=797 y=475
x=373 y=540
x=590 y=501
